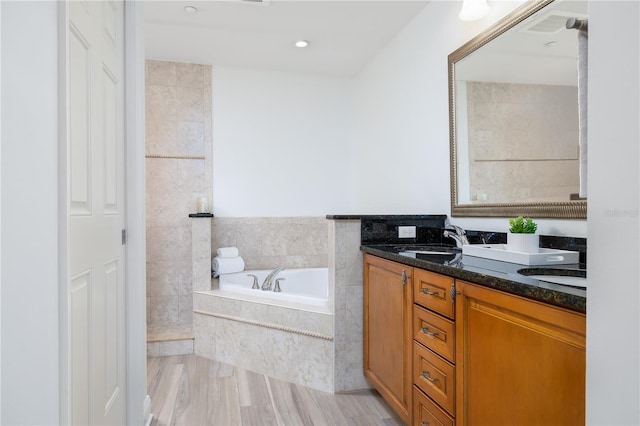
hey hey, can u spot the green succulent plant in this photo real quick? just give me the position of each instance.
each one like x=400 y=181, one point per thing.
x=520 y=225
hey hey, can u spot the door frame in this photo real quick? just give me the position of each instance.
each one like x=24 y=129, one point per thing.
x=137 y=401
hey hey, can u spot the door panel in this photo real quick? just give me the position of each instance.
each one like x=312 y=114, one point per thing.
x=79 y=125
x=96 y=212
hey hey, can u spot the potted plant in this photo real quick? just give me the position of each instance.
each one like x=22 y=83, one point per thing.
x=522 y=235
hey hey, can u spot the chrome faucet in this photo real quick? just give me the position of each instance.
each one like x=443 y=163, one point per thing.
x=268 y=282
x=458 y=234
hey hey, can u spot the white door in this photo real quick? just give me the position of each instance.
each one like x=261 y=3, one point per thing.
x=96 y=215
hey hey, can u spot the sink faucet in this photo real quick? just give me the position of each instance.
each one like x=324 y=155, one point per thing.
x=268 y=282
x=458 y=234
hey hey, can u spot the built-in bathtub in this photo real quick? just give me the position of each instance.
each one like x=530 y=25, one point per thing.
x=309 y=286
x=287 y=335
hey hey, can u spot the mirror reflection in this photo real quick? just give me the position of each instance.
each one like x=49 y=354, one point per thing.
x=515 y=109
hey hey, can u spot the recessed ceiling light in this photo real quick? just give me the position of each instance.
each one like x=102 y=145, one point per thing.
x=190 y=10
x=302 y=43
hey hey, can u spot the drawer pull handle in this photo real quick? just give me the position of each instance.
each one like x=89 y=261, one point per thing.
x=430 y=293
x=404 y=277
x=424 y=424
x=426 y=331
x=426 y=375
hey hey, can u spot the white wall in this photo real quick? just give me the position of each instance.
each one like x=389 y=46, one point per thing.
x=613 y=318
x=280 y=143
x=0 y=216
x=29 y=214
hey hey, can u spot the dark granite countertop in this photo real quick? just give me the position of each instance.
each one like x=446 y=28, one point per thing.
x=386 y=216
x=489 y=273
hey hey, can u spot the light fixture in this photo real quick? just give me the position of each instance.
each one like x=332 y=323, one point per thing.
x=472 y=10
x=302 y=43
x=190 y=10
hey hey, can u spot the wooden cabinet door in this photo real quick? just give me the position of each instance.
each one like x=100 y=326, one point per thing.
x=387 y=331
x=518 y=362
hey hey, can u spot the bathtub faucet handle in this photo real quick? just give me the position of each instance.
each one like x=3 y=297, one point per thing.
x=268 y=282
x=277 y=287
x=255 y=285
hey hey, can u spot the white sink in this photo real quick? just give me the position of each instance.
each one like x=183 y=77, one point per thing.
x=572 y=277
x=561 y=279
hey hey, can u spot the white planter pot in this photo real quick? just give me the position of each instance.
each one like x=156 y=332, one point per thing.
x=523 y=243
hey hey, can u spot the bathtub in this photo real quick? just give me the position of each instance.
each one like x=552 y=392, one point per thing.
x=308 y=286
x=237 y=325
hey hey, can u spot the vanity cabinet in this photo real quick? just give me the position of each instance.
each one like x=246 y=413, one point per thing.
x=434 y=370
x=518 y=361
x=443 y=351
x=388 y=336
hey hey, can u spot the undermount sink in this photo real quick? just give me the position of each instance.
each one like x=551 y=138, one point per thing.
x=427 y=249
x=571 y=277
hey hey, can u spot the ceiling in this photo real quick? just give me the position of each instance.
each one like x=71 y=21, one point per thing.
x=344 y=35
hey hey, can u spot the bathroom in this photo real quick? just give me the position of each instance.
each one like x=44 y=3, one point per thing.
x=403 y=90
x=252 y=214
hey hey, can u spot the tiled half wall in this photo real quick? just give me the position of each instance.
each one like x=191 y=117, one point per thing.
x=266 y=242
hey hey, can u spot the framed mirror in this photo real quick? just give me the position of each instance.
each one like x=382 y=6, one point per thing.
x=513 y=116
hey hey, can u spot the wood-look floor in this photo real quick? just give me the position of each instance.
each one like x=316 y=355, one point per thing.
x=192 y=390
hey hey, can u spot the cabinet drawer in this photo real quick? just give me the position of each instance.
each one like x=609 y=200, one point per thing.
x=425 y=412
x=431 y=290
x=435 y=332
x=434 y=376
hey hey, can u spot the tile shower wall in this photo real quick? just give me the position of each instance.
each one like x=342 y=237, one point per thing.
x=505 y=156
x=178 y=170
x=266 y=242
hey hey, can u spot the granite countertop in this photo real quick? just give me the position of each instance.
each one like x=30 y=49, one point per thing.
x=489 y=273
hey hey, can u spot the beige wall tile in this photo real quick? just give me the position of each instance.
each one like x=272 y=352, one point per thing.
x=190 y=138
x=175 y=347
x=201 y=274
x=190 y=105
x=160 y=73
x=161 y=176
x=206 y=71
x=162 y=279
x=185 y=309
x=191 y=177
x=266 y=242
x=189 y=75
x=163 y=310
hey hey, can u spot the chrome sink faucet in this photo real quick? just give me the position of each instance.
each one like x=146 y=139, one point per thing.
x=268 y=282
x=458 y=234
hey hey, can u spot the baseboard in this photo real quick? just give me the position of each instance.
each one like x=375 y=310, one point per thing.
x=146 y=407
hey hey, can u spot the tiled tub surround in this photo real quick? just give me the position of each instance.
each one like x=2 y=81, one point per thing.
x=178 y=129
x=291 y=344
x=266 y=242
x=345 y=277
x=256 y=335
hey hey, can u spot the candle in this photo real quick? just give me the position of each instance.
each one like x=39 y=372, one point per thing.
x=203 y=205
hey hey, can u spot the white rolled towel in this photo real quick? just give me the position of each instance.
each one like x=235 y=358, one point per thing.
x=227 y=252
x=226 y=265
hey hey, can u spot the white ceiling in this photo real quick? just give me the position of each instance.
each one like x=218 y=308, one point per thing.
x=344 y=35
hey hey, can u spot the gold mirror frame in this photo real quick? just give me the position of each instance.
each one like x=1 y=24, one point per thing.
x=564 y=209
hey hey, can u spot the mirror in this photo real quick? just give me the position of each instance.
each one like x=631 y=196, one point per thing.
x=513 y=116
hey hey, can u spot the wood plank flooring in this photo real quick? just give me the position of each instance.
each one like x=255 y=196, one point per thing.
x=192 y=390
